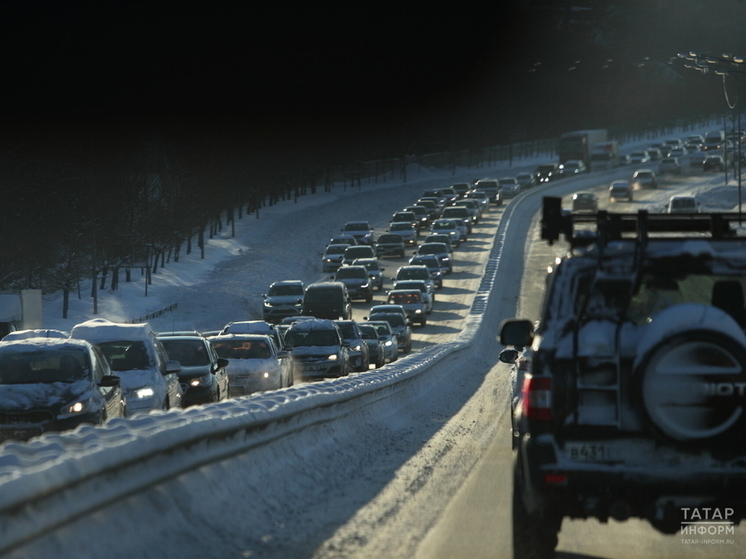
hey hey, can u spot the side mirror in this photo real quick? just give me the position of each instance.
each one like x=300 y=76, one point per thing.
x=222 y=363
x=509 y=356
x=110 y=380
x=172 y=367
x=516 y=332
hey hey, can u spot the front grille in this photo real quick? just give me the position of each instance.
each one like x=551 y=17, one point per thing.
x=36 y=416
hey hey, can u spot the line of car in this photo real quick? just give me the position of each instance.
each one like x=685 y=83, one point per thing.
x=710 y=153
x=53 y=381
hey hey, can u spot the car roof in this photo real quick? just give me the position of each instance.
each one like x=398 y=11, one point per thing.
x=29 y=344
x=36 y=333
x=326 y=284
x=101 y=330
x=314 y=324
x=247 y=327
x=240 y=336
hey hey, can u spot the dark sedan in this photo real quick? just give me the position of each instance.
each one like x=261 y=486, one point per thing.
x=203 y=376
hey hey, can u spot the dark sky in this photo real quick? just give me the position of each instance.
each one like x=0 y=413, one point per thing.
x=245 y=66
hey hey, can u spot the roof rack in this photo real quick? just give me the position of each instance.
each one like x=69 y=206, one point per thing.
x=611 y=226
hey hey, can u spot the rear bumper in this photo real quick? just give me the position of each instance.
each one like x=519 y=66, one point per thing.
x=662 y=490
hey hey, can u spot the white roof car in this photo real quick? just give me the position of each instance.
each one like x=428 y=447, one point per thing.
x=148 y=377
x=682 y=204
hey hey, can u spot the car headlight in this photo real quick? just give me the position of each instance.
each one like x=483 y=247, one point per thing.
x=81 y=406
x=388 y=342
x=267 y=305
x=142 y=393
x=204 y=380
x=357 y=347
x=418 y=311
x=332 y=357
x=363 y=286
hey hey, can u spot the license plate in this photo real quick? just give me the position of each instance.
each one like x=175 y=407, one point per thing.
x=591 y=452
x=18 y=434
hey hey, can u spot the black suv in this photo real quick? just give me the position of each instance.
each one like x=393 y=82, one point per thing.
x=629 y=393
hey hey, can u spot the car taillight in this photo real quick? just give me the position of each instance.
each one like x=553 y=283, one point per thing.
x=537 y=398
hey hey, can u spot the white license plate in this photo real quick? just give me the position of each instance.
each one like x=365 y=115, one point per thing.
x=591 y=452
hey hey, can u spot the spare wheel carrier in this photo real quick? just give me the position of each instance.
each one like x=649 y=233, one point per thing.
x=691 y=384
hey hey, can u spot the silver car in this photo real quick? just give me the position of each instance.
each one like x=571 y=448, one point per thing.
x=254 y=363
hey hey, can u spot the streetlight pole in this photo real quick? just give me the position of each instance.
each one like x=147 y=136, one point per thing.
x=724 y=65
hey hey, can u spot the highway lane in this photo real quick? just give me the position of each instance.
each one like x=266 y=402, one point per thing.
x=476 y=522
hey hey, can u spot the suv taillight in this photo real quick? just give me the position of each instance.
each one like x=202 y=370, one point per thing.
x=537 y=398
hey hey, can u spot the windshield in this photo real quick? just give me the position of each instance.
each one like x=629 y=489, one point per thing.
x=283 y=289
x=405 y=298
x=432 y=248
x=358 y=252
x=683 y=203
x=401 y=226
x=126 y=355
x=57 y=365
x=238 y=348
x=412 y=273
x=443 y=225
x=352 y=272
x=658 y=292
x=389 y=238
x=382 y=328
x=357 y=227
x=394 y=320
x=321 y=294
x=190 y=353
x=347 y=329
x=429 y=261
x=306 y=338
x=336 y=249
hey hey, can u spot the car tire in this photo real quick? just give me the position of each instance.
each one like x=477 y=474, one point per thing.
x=423 y=322
x=534 y=537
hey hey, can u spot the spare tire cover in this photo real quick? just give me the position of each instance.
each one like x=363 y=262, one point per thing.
x=691 y=375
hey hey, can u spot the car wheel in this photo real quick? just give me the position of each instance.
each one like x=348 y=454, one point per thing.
x=368 y=298
x=534 y=536
x=423 y=322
